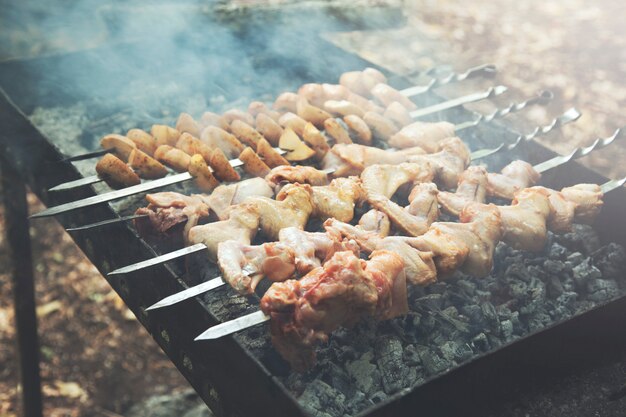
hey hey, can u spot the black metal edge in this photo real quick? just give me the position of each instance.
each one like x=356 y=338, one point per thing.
x=26 y=148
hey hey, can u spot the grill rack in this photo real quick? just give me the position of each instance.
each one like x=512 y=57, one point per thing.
x=210 y=368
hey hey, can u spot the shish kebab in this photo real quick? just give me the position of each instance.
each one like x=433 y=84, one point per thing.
x=567 y=117
x=420 y=195
x=216 y=131
x=347 y=289
x=359 y=153
x=200 y=246
x=357 y=79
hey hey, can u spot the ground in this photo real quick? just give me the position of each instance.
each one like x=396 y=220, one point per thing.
x=97 y=360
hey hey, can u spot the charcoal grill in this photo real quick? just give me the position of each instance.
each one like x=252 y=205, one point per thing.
x=230 y=379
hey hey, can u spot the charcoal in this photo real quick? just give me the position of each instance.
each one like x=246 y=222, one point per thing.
x=378 y=397
x=388 y=352
x=557 y=251
x=611 y=260
x=468 y=287
x=433 y=363
x=355 y=403
x=575 y=258
x=365 y=374
x=506 y=329
x=456 y=352
x=432 y=302
x=337 y=378
x=554 y=286
x=517 y=271
x=481 y=343
x=321 y=400
x=584 y=272
x=602 y=290
x=553 y=267
x=411 y=356
x=490 y=314
x=538 y=321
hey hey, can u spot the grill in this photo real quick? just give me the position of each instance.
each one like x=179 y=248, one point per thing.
x=64 y=112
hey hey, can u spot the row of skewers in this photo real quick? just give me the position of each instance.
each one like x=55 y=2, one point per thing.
x=337 y=287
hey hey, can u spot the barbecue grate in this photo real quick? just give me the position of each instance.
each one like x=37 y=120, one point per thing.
x=417 y=369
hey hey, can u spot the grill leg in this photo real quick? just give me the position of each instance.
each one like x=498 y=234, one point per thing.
x=18 y=239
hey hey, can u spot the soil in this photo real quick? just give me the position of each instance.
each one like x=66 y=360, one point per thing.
x=96 y=358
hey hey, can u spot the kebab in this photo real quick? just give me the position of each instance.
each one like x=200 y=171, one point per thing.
x=421 y=212
x=382 y=201
x=305 y=311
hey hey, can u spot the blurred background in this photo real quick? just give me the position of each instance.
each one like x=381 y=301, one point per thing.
x=96 y=359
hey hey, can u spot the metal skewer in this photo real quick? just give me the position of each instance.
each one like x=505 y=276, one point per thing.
x=258 y=317
x=485 y=69
x=218 y=282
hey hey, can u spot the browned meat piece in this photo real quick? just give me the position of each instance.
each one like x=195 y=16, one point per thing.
x=301 y=174
x=192 y=145
x=313 y=137
x=382 y=128
x=588 y=200
x=383 y=180
x=398 y=114
x=449 y=163
x=386 y=95
x=311 y=113
x=215 y=137
x=468 y=245
x=337 y=199
x=312 y=249
x=187 y=124
x=335 y=130
x=235 y=114
x=164 y=135
x=514 y=177
x=358 y=129
x=422 y=210
x=292 y=208
x=119 y=145
x=245 y=133
x=252 y=164
x=352 y=159
x=146 y=166
x=375 y=221
x=343 y=108
x=168 y=209
x=419 y=266
x=270 y=156
x=213 y=119
x=317 y=94
x=472 y=188
x=426 y=135
x=293 y=121
x=286 y=102
x=341 y=293
x=172 y=157
x=269 y=128
x=244 y=266
x=257 y=107
x=115 y=172
x=143 y=140
x=359 y=82
x=225 y=196
x=524 y=222
x=241 y=226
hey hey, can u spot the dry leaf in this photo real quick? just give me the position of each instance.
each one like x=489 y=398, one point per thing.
x=44 y=310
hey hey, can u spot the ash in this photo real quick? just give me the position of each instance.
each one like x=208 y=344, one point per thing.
x=448 y=323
